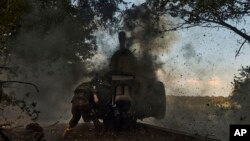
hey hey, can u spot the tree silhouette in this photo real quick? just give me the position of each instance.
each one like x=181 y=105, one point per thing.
x=206 y=13
x=241 y=90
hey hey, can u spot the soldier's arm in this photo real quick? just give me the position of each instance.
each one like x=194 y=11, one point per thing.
x=96 y=100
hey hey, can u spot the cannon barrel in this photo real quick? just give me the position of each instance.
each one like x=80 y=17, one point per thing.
x=122 y=39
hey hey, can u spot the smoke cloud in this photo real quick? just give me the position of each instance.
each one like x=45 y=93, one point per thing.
x=47 y=51
x=56 y=55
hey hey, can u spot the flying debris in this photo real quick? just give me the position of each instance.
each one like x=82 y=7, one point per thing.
x=124 y=95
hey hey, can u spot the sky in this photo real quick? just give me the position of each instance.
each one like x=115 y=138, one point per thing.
x=200 y=62
x=209 y=65
x=204 y=60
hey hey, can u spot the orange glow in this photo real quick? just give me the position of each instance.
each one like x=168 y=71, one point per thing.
x=216 y=82
x=193 y=81
x=213 y=86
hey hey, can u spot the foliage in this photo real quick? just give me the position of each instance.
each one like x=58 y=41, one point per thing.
x=241 y=89
x=42 y=17
x=10 y=11
x=206 y=13
x=28 y=108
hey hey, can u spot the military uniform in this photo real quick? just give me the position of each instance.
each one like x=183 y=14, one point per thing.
x=82 y=105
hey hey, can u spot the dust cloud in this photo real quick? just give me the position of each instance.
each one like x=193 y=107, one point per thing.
x=56 y=58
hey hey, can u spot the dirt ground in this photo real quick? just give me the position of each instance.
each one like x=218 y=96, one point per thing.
x=86 y=132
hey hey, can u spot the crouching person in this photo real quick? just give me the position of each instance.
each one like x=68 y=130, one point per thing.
x=83 y=105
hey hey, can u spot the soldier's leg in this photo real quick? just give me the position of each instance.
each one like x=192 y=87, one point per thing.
x=126 y=90
x=76 y=113
x=96 y=122
x=119 y=90
x=90 y=115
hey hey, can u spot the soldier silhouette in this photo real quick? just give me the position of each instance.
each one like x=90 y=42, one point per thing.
x=83 y=105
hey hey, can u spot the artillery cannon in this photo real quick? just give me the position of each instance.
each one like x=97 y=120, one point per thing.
x=124 y=95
